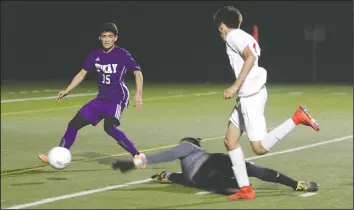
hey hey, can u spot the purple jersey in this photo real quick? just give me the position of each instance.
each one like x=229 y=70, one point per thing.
x=111 y=69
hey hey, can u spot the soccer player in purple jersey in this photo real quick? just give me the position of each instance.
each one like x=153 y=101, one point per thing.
x=111 y=63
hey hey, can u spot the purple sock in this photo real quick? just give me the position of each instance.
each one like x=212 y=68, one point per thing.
x=69 y=137
x=123 y=141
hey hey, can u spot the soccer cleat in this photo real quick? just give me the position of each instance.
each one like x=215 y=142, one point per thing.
x=307 y=186
x=245 y=193
x=160 y=177
x=141 y=156
x=43 y=158
x=302 y=116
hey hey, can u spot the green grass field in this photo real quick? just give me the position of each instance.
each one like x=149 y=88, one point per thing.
x=170 y=112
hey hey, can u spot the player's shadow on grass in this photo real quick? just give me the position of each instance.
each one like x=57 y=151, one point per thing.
x=175 y=188
x=189 y=205
x=22 y=171
x=103 y=159
x=183 y=189
x=26 y=183
x=56 y=178
x=38 y=183
x=165 y=188
x=210 y=201
x=97 y=157
x=206 y=199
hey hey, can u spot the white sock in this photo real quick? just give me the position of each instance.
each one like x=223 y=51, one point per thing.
x=239 y=167
x=278 y=134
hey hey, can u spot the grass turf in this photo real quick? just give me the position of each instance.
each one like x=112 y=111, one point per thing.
x=171 y=112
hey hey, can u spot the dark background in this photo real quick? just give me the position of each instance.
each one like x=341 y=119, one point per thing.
x=174 y=41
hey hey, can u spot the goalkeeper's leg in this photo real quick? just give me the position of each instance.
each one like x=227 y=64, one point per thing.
x=166 y=177
x=270 y=175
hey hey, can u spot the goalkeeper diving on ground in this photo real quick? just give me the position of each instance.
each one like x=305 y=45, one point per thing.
x=205 y=170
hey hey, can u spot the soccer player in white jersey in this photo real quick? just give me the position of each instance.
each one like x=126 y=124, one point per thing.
x=248 y=114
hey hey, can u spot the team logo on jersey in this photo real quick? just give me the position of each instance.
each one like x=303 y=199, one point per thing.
x=97 y=59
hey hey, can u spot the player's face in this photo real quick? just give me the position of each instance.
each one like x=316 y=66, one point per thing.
x=223 y=31
x=108 y=39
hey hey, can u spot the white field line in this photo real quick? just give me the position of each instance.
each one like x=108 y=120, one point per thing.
x=38 y=91
x=202 y=192
x=307 y=194
x=339 y=93
x=87 y=94
x=45 y=98
x=295 y=93
x=51 y=90
x=88 y=192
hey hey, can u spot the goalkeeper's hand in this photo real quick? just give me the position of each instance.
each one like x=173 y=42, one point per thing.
x=160 y=177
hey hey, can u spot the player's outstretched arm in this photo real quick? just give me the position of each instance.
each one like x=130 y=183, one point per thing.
x=138 y=99
x=164 y=156
x=170 y=154
x=79 y=77
x=249 y=60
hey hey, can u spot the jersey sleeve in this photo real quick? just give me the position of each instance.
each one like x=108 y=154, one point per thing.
x=89 y=62
x=239 y=43
x=171 y=154
x=130 y=63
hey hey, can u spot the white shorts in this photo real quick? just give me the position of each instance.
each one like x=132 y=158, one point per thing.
x=248 y=115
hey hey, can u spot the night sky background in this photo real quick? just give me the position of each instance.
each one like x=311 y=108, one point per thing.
x=174 y=41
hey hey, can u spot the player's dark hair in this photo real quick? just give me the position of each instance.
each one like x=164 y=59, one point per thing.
x=228 y=15
x=192 y=140
x=109 y=27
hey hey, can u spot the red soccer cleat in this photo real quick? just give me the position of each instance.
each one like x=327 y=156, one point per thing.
x=302 y=116
x=244 y=193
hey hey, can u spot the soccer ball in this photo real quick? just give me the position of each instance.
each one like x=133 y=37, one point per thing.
x=59 y=157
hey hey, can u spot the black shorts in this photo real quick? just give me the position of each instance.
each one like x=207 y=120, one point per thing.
x=216 y=172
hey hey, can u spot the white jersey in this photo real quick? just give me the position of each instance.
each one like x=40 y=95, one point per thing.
x=236 y=41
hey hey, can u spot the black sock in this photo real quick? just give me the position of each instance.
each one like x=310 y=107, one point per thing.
x=271 y=175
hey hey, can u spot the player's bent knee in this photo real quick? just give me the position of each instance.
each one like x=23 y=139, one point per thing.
x=230 y=144
x=258 y=148
x=226 y=143
x=232 y=137
x=79 y=122
x=110 y=123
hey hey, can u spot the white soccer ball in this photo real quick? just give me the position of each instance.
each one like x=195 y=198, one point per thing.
x=59 y=157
